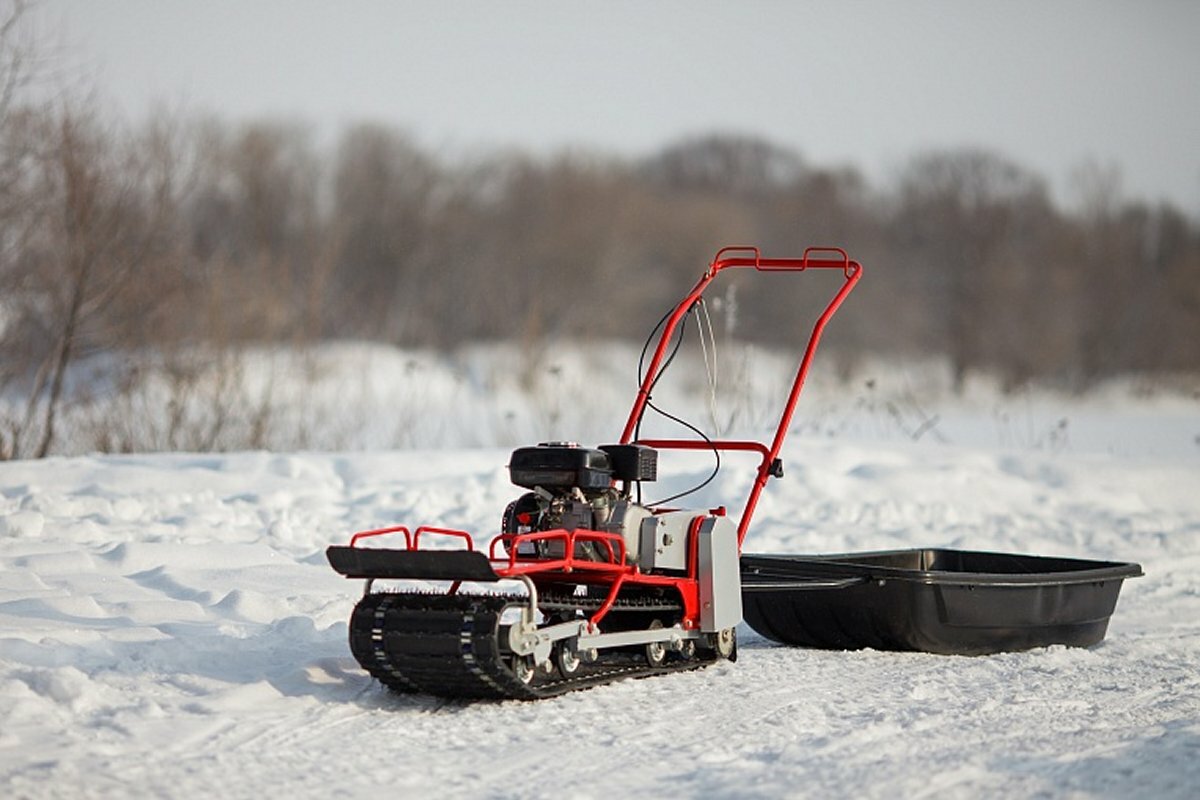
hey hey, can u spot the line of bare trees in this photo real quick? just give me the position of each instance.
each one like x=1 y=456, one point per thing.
x=171 y=245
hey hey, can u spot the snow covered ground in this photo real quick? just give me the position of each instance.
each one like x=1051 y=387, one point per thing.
x=169 y=626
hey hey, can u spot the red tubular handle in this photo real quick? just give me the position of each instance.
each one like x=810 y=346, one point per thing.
x=750 y=258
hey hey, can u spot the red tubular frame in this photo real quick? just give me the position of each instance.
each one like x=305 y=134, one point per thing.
x=412 y=540
x=813 y=258
x=408 y=542
x=568 y=562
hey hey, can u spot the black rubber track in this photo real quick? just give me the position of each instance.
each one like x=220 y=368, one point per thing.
x=450 y=645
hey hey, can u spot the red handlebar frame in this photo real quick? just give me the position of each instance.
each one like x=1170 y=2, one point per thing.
x=738 y=257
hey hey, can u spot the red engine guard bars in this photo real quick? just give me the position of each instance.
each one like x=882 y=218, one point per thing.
x=748 y=258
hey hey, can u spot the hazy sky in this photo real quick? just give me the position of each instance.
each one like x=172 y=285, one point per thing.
x=1047 y=83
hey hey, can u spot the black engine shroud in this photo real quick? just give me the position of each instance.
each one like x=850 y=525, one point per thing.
x=564 y=465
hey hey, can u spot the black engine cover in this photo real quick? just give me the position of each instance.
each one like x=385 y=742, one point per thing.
x=560 y=466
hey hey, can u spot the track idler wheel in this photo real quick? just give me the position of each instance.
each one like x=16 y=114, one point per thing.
x=524 y=669
x=724 y=643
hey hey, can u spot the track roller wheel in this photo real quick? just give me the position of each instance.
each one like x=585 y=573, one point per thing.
x=656 y=652
x=686 y=650
x=566 y=658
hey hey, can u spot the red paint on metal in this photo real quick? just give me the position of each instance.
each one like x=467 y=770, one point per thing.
x=382 y=531
x=813 y=258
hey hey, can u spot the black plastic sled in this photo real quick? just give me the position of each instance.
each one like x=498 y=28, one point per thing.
x=953 y=602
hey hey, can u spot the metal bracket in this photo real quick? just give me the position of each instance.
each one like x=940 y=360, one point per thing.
x=525 y=638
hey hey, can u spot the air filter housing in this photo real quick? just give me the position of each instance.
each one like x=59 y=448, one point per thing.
x=632 y=462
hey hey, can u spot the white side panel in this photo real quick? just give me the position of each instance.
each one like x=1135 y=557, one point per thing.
x=720 y=575
x=664 y=541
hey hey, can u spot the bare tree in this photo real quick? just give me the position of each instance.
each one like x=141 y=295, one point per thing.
x=965 y=217
x=383 y=199
x=76 y=259
x=18 y=53
x=725 y=163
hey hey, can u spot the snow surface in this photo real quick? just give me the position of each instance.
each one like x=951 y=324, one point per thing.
x=169 y=626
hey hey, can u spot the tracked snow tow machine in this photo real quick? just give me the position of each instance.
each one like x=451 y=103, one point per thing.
x=614 y=588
